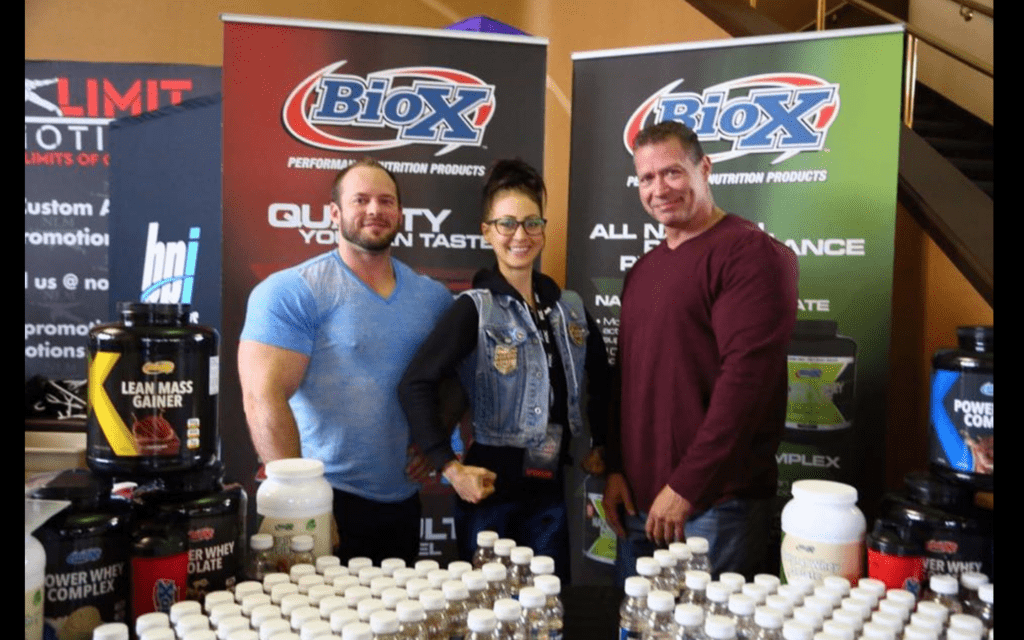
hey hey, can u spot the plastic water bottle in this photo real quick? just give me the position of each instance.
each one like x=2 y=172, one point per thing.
x=482 y=624
x=412 y=620
x=534 y=619
x=456 y=608
x=689 y=620
x=767 y=624
x=699 y=550
x=519 y=569
x=659 y=623
x=484 y=548
x=510 y=624
x=670 y=577
x=551 y=586
x=741 y=610
x=433 y=602
x=634 y=608
x=696 y=583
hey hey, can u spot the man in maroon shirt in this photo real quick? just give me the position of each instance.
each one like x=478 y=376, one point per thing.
x=705 y=323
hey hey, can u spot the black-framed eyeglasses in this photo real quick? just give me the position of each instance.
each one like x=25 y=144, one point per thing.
x=508 y=226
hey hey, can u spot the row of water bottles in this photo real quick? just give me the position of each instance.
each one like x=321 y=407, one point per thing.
x=510 y=595
x=658 y=607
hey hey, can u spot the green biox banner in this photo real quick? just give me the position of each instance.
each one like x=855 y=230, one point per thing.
x=802 y=131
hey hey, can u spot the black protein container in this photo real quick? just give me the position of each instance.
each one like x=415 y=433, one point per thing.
x=88 y=578
x=962 y=409
x=153 y=386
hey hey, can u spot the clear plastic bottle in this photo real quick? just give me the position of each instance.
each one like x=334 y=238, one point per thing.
x=717 y=595
x=510 y=623
x=433 y=602
x=502 y=549
x=741 y=610
x=339 y=619
x=300 y=551
x=367 y=607
x=456 y=607
x=769 y=581
x=696 y=583
x=719 y=628
x=413 y=619
x=357 y=631
x=540 y=566
x=484 y=548
x=534 y=619
x=796 y=630
x=390 y=565
x=648 y=567
x=839 y=629
x=965 y=622
x=379 y=584
x=699 y=550
x=519 y=569
x=551 y=586
x=683 y=555
x=984 y=609
x=437 y=577
x=392 y=596
x=497 y=585
x=476 y=584
x=767 y=624
x=669 y=578
x=385 y=625
x=944 y=589
x=633 y=610
x=458 y=567
x=689 y=620
x=261 y=559
x=733 y=580
x=482 y=625
x=659 y=623
x=423 y=567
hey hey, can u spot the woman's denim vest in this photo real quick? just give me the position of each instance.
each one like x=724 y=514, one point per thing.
x=510 y=382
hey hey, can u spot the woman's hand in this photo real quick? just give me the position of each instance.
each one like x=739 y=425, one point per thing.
x=473 y=484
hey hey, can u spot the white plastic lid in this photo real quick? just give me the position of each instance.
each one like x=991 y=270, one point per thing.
x=647 y=566
x=154 y=620
x=697 y=544
x=637 y=587
x=410 y=611
x=550 y=585
x=796 y=630
x=158 y=633
x=356 y=594
x=985 y=593
x=758 y=592
x=415 y=586
x=734 y=581
x=521 y=555
x=791 y=592
x=901 y=596
x=824 y=635
x=665 y=558
x=542 y=565
x=111 y=631
x=314 y=629
x=716 y=592
x=432 y=599
x=531 y=597
x=851 y=618
x=184 y=608
x=973 y=579
x=403 y=575
x=873 y=584
x=780 y=604
x=741 y=604
x=224 y=610
x=837 y=582
x=242 y=634
x=819 y=605
x=696 y=579
x=423 y=567
x=302 y=615
x=392 y=596
x=301 y=570
x=933 y=609
x=495 y=571
x=486 y=538
x=719 y=628
x=805 y=584
x=944 y=584
x=481 y=621
x=307 y=580
x=341 y=583
x=887 y=620
x=768 y=581
x=458 y=567
x=474 y=580
x=191 y=621
x=384 y=621
x=199 y=634
x=367 y=574
x=340 y=618
x=768 y=618
x=247 y=588
x=270 y=579
x=318 y=592
x=865 y=596
x=661 y=601
x=681 y=551
x=824 y=492
x=263 y=613
x=894 y=608
x=323 y=562
x=810 y=617
x=437 y=577
x=361 y=562
x=357 y=631
x=688 y=614
x=231 y=623
x=293 y=468
x=839 y=629
x=454 y=590
x=876 y=631
x=366 y=607
x=503 y=546
x=273 y=627
x=379 y=584
x=280 y=590
x=390 y=565
x=507 y=609
x=330 y=604
x=914 y=632
x=967 y=622
x=927 y=621
x=962 y=634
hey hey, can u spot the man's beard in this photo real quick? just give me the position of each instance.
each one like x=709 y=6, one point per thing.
x=368 y=244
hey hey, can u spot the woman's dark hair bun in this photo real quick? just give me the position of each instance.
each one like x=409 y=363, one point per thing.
x=516 y=175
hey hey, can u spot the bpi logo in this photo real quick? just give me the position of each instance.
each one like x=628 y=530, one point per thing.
x=439 y=106
x=169 y=269
x=784 y=113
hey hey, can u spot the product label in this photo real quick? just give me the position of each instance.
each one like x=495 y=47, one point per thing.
x=284 y=528
x=157 y=583
x=803 y=557
x=897 y=572
x=963 y=420
x=151 y=401
x=214 y=559
x=953 y=553
x=630 y=634
x=33 y=614
x=87 y=584
x=820 y=392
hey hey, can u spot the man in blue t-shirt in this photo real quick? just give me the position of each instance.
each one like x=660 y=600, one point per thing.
x=324 y=345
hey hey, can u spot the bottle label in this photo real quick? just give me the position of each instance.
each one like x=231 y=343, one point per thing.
x=157 y=583
x=962 y=413
x=214 y=556
x=820 y=392
x=318 y=526
x=87 y=583
x=813 y=559
x=897 y=572
x=33 y=614
x=630 y=634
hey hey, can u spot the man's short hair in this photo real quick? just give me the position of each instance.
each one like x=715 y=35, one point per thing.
x=669 y=130
x=365 y=161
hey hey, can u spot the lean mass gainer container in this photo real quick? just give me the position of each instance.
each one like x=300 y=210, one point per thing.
x=152 y=391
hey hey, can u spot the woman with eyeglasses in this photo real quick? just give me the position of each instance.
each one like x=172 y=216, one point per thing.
x=526 y=353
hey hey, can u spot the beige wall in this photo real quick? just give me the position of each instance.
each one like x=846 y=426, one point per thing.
x=931 y=297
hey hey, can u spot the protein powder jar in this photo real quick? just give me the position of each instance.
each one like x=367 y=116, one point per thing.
x=159 y=552
x=962 y=410
x=822 y=532
x=214 y=515
x=87 y=546
x=822 y=369
x=296 y=499
x=896 y=556
x=152 y=392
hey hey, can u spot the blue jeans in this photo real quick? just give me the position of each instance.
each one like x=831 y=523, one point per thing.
x=539 y=522
x=736 y=530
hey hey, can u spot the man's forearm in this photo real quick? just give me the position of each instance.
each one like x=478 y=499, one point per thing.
x=273 y=429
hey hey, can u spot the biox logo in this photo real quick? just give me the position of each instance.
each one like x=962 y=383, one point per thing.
x=409 y=105
x=169 y=269
x=783 y=113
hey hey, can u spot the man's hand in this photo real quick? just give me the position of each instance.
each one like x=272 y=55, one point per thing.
x=473 y=484
x=594 y=462
x=616 y=492
x=667 y=517
x=418 y=469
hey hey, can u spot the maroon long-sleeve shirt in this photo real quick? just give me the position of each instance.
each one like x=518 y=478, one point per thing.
x=702 y=346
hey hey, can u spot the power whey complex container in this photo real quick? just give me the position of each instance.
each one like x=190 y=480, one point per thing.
x=822 y=370
x=152 y=392
x=962 y=409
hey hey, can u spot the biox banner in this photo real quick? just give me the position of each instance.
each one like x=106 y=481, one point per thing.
x=802 y=131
